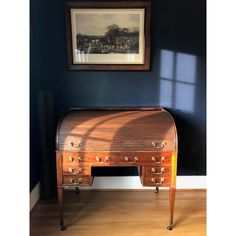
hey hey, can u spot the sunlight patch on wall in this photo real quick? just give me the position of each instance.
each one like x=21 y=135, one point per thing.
x=177 y=83
x=166 y=88
x=185 y=68
x=166 y=69
x=184 y=97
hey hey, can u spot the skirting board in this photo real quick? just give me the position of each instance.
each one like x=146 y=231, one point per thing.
x=133 y=182
x=128 y=182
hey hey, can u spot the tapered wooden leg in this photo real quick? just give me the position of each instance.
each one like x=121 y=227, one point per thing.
x=77 y=190
x=157 y=190
x=60 y=203
x=172 y=205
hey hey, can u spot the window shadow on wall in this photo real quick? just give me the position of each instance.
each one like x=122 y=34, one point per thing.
x=179 y=90
x=177 y=80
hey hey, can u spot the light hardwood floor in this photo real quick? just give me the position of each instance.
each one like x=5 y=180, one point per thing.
x=122 y=213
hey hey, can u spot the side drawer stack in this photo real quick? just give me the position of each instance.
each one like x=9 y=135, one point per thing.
x=158 y=173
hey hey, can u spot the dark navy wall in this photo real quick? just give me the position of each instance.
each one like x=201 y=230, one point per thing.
x=177 y=79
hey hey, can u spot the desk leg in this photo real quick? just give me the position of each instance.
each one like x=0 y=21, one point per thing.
x=60 y=190
x=172 y=205
x=60 y=203
x=172 y=189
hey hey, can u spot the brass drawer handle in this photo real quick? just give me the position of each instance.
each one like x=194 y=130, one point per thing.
x=100 y=159
x=71 y=170
x=71 y=158
x=155 y=145
x=160 y=182
x=162 y=170
x=76 y=145
x=72 y=181
x=135 y=159
x=158 y=162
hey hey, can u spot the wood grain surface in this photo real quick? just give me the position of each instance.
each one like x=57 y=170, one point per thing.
x=117 y=131
x=122 y=213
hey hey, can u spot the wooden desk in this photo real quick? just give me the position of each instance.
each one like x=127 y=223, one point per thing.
x=144 y=138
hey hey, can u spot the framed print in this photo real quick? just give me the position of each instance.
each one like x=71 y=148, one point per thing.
x=108 y=35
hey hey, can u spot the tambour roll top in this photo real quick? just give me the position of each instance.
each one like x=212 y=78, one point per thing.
x=117 y=130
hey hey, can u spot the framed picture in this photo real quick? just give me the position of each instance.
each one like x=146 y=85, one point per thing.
x=108 y=35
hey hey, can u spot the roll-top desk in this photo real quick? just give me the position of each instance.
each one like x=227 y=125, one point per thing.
x=144 y=138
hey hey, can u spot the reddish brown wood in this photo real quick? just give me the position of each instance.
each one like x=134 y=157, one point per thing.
x=59 y=168
x=172 y=203
x=144 y=158
x=76 y=169
x=88 y=138
x=117 y=131
x=172 y=188
x=157 y=171
x=148 y=181
x=60 y=188
x=76 y=180
x=93 y=158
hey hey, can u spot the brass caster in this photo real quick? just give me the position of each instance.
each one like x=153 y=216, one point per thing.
x=77 y=190
x=63 y=227
x=169 y=227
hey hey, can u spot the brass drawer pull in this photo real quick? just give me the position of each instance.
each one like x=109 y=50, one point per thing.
x=162 y=170
x=155 y=145
x=100 y=159
x=71 y=170
x=76 y=145
x=71 y=158
x=160 y=182
x=135 y=159
x=72 y=181
x=155 y=159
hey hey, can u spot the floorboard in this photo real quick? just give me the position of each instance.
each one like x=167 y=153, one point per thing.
x=122 y=213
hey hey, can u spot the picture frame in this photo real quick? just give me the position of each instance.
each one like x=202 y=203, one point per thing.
x=104 y=35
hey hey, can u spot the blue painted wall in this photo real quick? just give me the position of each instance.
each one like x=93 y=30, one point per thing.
x=177 y=79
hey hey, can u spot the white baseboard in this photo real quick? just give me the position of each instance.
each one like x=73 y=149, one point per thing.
x=34 y=195
x=133 y=182
x=128 y=182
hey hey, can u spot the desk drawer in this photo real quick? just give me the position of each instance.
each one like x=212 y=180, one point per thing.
x=96 y=158
x=156 y=171
x=157 y=181
x=77 y=180
x=76 y=169
x=139 y=158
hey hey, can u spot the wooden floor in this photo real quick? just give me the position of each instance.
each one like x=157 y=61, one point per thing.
x=122 y=213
